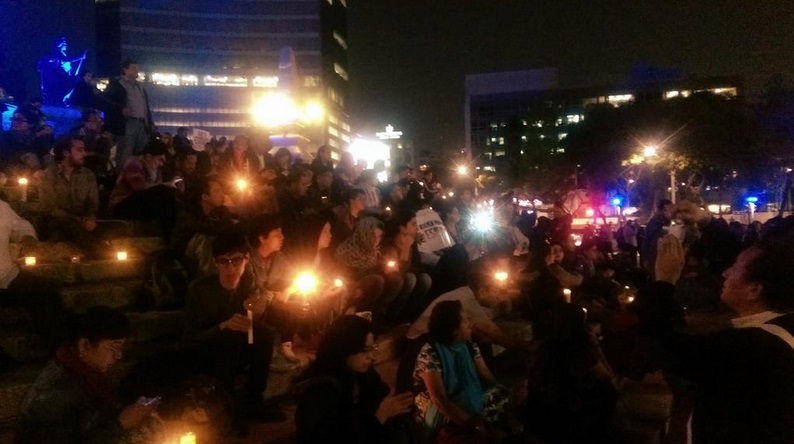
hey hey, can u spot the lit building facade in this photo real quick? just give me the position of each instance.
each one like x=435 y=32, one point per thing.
x=206 y=62
x=530 y=105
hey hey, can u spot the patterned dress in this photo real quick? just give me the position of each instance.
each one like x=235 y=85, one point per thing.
x=495 y=398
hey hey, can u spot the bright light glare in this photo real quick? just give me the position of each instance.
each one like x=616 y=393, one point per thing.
x=391 y=264
x=275 y=110
x=589 y=212
x=22 y=181
x=500 y=276
x=649 y=151
x=483 y=221
x=370 y=151
x=241 y=184
x=463 y=170
x=338 y=283
x=306 y=282
x=314 y=112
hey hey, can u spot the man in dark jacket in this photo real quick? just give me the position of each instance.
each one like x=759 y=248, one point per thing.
x=127 y=113
x=221 y=336
x=655 y=230
x=744 y=376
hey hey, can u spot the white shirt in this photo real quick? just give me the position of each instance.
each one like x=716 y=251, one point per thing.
x=12 y=228
x=475 y=312
x=755 y=320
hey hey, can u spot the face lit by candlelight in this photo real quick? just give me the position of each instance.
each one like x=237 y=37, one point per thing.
x=100 y=355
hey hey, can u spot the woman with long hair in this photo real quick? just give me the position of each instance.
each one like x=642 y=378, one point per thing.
x=341 y=398
x=361 y=257
x=458 y=395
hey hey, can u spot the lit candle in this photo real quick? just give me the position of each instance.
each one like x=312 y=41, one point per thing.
x=30 y=261
x=391 y=264
x=23 y=184
x=188 y=438
x=251 y=328
x=75 y=259
x=501 y=277
x=241 y=184
x=338 y=283
x=121 y=255
x=566 y=292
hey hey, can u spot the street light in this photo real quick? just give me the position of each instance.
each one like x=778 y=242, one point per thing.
x=649 y=151
x=463 y=170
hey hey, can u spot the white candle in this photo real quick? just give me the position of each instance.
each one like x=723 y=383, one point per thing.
x=251 y=328
x=567 y=294
x=23 y=183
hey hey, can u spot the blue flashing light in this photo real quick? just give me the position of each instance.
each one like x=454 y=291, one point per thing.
x=617 y=201
x=751 y=199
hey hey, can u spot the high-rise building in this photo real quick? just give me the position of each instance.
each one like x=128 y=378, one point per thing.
x=530 y=107
x=207 y=62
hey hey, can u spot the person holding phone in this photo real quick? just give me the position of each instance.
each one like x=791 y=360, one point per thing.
x=72 y=400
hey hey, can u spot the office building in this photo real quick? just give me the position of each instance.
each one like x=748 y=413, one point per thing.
x=207 y=62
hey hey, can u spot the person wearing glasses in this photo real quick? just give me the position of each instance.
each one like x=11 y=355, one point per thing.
x=73 y=399
x=220 y=334
x=341 y=398
x=21 y=146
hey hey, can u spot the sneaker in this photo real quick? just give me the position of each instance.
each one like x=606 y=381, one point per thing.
x=280 y=364
x=288 y=353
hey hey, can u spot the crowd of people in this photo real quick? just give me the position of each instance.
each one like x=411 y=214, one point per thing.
x=244 y=225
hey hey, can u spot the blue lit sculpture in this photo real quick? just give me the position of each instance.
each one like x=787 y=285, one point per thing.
x=59 y=73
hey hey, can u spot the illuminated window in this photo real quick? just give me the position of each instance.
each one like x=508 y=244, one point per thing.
x=560 y=150
x=494 y=125
x=558 y=122
x=572 y=118
x=332 y=119
x=343 y=2
x=730 y=92
x=265 y=81
x=671 y=94
x=333 y=143
x=524 y=138
x=339 y=39
x=562 y=136
x=538 y=124
x=165 y=79
x=542 y=137
x=333 y=131
x=345 y=138
x=345 y=127
x=619 y=99
x=501 y=141
x=341 y=71
x=189 y=79
x=311 y=81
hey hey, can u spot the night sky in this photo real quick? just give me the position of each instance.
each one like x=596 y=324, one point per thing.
x=408 y=58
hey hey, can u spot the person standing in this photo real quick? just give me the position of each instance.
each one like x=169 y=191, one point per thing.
x=127 y=113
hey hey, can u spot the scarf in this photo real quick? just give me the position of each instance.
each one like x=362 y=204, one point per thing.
x=460 y=376
x=357 y=251
x=92 y=381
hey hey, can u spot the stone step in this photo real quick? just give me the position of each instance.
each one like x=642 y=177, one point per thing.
x=89 y=271
x=144 y=245
x=156 y=326
x=21 y=344
x=121 y=295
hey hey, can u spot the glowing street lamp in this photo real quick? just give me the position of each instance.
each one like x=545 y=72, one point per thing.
x=274 y=110
x=462 y=170
x=649 y=151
